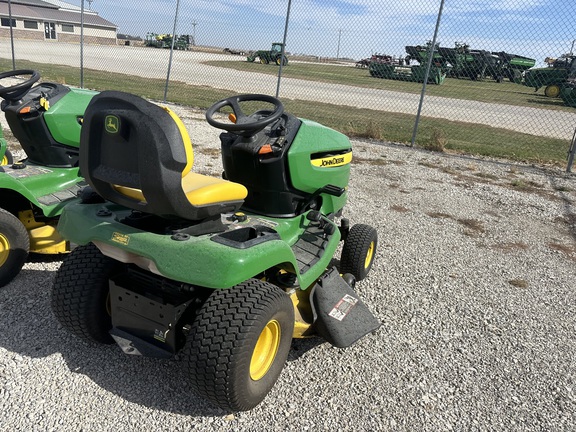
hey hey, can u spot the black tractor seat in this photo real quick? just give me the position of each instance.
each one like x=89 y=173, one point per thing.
x=139 y=155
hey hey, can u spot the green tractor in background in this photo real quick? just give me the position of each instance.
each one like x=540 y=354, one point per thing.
x=275 y=55
x=551 y=77
x=46 y=120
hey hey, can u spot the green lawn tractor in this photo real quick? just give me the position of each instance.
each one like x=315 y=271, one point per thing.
x=46 y=120
x=272 y=56
x=225 y=271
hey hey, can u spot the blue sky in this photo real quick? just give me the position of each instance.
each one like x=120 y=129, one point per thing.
x=534 y=28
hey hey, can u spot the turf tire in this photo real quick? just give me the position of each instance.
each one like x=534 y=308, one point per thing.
x=80 y=294
x=223 y=339
x=14 y=246
x=359 y=251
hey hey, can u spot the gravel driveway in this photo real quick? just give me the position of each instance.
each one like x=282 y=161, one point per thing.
x=474 y=282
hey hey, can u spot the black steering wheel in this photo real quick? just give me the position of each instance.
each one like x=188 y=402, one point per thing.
x=246 y=125
x=15 y=92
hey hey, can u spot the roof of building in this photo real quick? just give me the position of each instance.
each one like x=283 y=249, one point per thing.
x=53 y=10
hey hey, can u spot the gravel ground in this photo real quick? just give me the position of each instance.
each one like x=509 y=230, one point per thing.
x=473 y=282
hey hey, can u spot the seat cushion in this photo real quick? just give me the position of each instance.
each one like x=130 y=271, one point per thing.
x=200 y=190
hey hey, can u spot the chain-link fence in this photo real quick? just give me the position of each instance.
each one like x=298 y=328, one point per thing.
x=498 y=73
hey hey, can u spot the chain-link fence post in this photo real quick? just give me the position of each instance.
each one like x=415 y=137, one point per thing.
x=11 y=34
x=171 y=50
x=571 y=153
x=283 y=52
x=82 y=44
x=427 y=74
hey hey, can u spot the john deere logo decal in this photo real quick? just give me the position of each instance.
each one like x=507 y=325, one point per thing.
x=333 y=161
x=112 y=124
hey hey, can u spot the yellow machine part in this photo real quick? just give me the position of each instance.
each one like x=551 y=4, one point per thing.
x=44 y=238
x=302 y=314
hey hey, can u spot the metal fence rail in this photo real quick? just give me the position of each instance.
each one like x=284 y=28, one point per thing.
x=470 y=61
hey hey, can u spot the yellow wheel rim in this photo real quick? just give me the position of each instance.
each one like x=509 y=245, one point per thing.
x=552 y=91
x=4 y=249
x=369 y=255
x=4 y=160
x=265 y=350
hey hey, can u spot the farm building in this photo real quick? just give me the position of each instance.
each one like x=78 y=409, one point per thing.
x=54 y=20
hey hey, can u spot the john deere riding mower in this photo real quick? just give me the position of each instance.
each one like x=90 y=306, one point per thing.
x=225 y=271
x=46 y=120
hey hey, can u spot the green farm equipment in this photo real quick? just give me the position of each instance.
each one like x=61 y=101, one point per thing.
x=225 y=271
x=389 y=67
x=414 y=73
x=275 y=55
x=553 y=76
x=155 y=40
x=513 y=66
x=46 y=120
x=568 y=92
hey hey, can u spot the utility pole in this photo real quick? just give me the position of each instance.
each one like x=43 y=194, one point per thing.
x=194 y=32
x=338 y=50
x=90 y=4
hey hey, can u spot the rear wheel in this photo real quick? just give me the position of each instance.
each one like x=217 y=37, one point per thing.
x=80 y=295
x=552 y=91
x=239 y=342
x=359 y=251
x=8 y=159
x=14 y=246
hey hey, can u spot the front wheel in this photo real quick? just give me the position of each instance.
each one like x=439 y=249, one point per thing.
x=7 y=159
x=14 y=246
x=359 y=251
x=239 y=342
x=264 y=60
x=81 y=294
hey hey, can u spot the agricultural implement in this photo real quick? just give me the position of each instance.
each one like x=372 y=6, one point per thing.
x=275 y=55
x=224 y=271
x=182 y=42
x=513 y=66
x=46 y=120
x=389 y=67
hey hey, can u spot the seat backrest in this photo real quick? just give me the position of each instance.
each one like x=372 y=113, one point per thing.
x=136 y=153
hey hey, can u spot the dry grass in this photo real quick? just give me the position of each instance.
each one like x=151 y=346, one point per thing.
x=399 y=208
x=437 y=141
x=440 y=215
x=511 y=246
x=519 y=283
x=367 y=161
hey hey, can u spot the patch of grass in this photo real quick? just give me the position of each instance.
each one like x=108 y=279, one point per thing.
x=510 y=247
x=374 y=124
x=472 y=225
x=209 y=151
x=569 y=251
x=399 y=208
x=518 y=283
x=428 y=164
x=440 y=215
x=563 y=189
x=484 y=91
x=486 y=176
x=437 y=141
x=367 y=161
